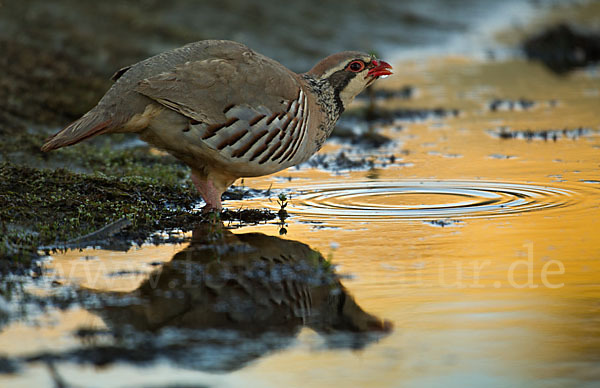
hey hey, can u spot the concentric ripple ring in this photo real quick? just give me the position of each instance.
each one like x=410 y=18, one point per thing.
x=427 y=199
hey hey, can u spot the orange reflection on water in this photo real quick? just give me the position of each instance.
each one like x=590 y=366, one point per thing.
x=483 y=252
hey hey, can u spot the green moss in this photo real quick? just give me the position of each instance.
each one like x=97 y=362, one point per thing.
x=52 y=207
x=44 y=207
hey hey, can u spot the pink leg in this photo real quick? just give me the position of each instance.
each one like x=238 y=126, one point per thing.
x=209 y=193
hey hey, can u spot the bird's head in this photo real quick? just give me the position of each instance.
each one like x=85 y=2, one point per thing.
x=349 y=73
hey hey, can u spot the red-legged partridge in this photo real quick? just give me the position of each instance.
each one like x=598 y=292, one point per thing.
x=225 y=110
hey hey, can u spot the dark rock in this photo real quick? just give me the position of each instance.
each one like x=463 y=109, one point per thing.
x=443 y=223
x=368 y=139
x=498 y=104
x=562 y=48
x=237 y=193
x=338 y=162
x=250 y=216
x=389 y=116
x=8 y=366
x=544 y=134
x=501 y=156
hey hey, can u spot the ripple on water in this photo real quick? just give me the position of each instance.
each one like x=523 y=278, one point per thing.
x=425 y=200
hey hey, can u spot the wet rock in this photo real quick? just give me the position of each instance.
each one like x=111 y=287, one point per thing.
x=8 y=366
x=501 y=156
x=443 y=223
x=384 y=116
x=424 y=114
x=545 y=134
x=498 y=104
x=238 y=193
x=338 y=162
x=563 y=48
x=249 y=216
x=346 y=161
x=366 y=139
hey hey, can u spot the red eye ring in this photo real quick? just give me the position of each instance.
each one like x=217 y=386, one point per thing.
x=356 y=66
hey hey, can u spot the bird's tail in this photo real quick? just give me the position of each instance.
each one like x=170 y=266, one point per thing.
x=89 y=125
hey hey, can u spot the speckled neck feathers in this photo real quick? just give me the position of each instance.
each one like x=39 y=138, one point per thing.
x=330 y=103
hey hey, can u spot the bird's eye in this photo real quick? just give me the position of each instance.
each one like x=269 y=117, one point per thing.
x=356 y=66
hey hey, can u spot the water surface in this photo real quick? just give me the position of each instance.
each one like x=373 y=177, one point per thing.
x=481 y=252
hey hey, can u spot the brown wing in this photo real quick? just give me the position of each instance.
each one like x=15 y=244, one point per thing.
x=203 y=89
x=243 y=105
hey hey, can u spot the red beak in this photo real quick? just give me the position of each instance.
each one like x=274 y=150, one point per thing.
x=381 y=68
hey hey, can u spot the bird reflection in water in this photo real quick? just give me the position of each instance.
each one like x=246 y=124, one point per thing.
x=227 y=299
